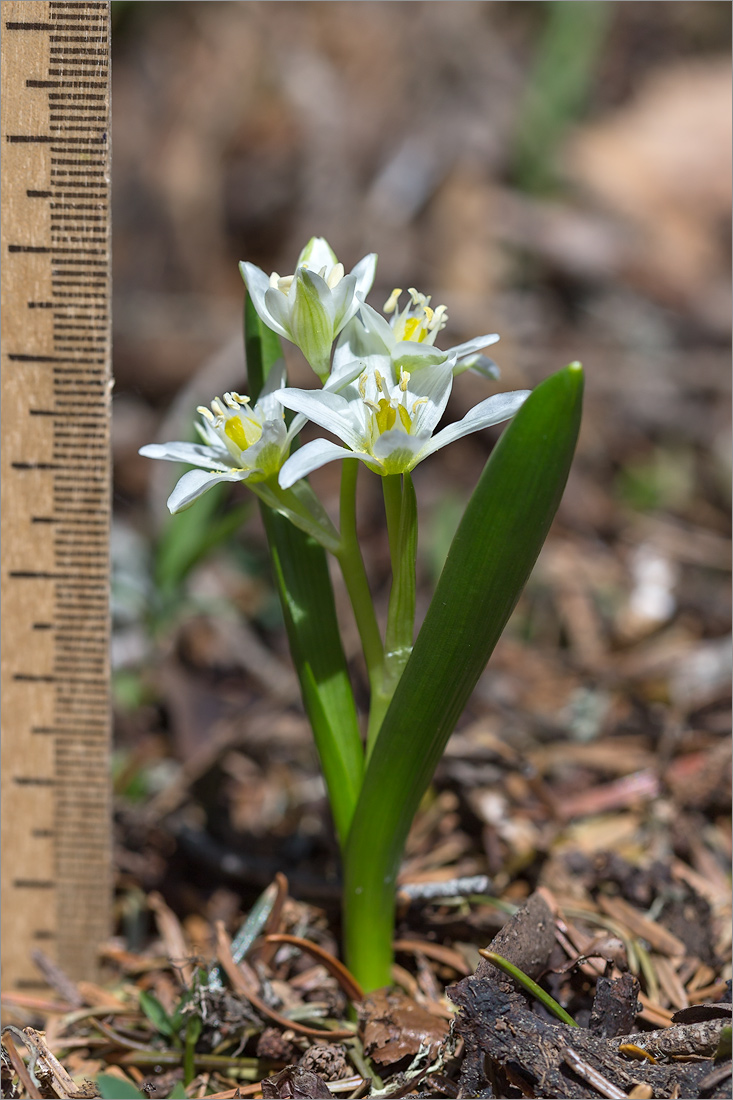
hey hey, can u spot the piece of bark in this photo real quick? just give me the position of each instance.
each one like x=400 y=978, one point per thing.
x=526 y=940
x=615 y=1006
x=531 y=1053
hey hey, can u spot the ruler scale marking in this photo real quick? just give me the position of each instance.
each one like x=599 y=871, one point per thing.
x=56 y=470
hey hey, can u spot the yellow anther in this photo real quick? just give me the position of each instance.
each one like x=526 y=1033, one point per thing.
x=231 y=402
x=217 y=407
x=420 y=401
x=418 y=299
x=240 y=398
x=404 y=380
x=380 y=382
x=362 y=385
x=391 y=304
x=207 y=413
x=439 y=319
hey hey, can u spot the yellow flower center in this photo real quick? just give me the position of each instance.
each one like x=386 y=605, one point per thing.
x=417 y=323
x=243 y=432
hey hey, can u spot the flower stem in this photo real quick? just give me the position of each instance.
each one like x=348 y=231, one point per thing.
x=392 y=491
x=355 y=578
x=401 y=509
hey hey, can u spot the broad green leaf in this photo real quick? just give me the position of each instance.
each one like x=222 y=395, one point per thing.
x=155 y=1012
x=304 y=585
x=114 y=1088
x=493 y=552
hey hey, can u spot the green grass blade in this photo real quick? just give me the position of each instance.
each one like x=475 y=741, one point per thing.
x=531 y=986
x=304 y=585
x=493 y=552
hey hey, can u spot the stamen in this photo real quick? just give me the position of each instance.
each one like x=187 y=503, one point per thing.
x=207 y=413
x=418 y=299
x=439 y=319
x=404 y=379
x=362 y=385
x=391 y=304
x=380 y=383
x=231 y=402
x=217 y=407
x=420 y=401
x=240 y=398
x=405 y=418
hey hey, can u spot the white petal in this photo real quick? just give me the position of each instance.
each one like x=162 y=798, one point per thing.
x=328 y=410
x=476 y=344
x=345 y=302
x=410 y=355
x=267 y=404
x=377 y=327
x=196 y=454
x=311 y=457
x=398 y=451
x=358 y=343
x=257 y=285
x=364 y=272
x=480 y=364
x=342 y=374
x=193 y=484
x=502 y=406
x=435 y=383
x=317 y=254
x=277 y=312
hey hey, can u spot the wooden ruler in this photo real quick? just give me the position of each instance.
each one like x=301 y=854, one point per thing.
x=56 y=382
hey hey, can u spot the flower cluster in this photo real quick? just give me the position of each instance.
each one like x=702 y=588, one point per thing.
x=385 y=384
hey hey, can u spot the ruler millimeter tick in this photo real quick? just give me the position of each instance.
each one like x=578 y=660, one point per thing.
x=55 y=455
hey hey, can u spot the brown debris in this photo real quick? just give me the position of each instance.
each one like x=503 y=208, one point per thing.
x=294 y=1083
x=393 y=1027
x=552 y=1059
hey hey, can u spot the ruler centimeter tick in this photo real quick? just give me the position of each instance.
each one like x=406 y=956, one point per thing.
x=55 y=456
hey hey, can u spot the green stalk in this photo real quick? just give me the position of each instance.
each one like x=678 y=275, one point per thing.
x=306 y=595
x=392 y=492
x=493 y=552
x=401 y=614
x=354 y=574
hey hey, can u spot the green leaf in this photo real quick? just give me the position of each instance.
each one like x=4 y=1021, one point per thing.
x=306 y=594
x=114 y=1088
x=155 y=1012
x=178 y=1092
x=493 y=552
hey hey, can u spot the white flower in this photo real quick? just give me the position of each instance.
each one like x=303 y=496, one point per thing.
x=311 y=307
x=409 y=338
x=240 y=443
x=387 y=420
